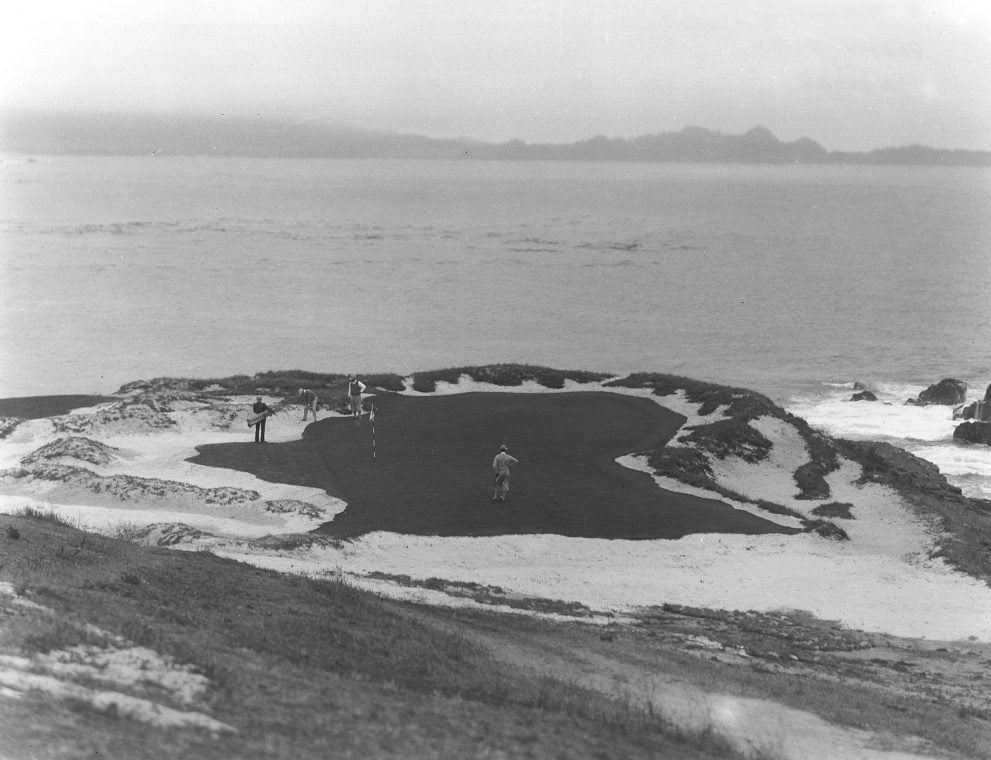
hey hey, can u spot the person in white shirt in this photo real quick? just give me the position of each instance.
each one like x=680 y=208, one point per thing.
x=500 y=465
x=355 y=389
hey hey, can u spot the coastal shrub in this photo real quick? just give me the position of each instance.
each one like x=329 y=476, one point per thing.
x=684 y=464
x=811 y=483
x=839 y=509
x=385 y=382
x=826 y=529
x=730 y=437
x=740 y=402
x=8 y=425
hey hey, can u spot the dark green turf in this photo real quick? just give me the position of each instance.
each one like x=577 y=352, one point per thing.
x=433 y=471
x=36 y=407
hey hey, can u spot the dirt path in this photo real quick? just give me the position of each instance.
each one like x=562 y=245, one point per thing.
x=636 y=676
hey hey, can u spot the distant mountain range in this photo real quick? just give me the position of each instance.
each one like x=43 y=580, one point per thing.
x=143 y=134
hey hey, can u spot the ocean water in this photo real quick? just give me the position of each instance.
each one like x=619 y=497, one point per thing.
x=792 y=280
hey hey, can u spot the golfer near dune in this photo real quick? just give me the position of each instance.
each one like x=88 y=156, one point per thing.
x=501 y=464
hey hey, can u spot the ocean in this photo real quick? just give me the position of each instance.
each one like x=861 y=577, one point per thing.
x=796 y=281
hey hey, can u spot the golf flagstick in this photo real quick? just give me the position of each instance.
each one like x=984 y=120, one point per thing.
x=371 y=419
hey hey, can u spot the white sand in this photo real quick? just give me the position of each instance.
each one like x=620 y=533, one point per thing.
x=119 y=677
x=881 y=580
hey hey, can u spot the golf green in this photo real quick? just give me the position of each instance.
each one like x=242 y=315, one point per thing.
x=431 y=474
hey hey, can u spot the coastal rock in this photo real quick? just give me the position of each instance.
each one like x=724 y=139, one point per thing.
x=977 y=410
x=965 y=411
x=947 y=392
x=863 y=396
x=973 y=432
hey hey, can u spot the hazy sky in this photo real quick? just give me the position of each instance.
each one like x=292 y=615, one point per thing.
x=851 y=74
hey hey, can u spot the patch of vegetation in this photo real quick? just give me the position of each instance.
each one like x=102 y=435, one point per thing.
x=683 y=463
x=507 y=375
x=730 y=437
x=130 y=487
x=291 y=541
x=490 y=595
x=8 y=425
x=826 y=529
x=286 y=383
x=75 y=447
x=840 y=509
x=37 y=514
x=741 y=403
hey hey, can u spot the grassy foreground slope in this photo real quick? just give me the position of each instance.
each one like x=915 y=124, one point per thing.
x=299 y=668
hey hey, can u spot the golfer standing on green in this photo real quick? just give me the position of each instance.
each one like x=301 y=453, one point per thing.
x=355 y=389
x=501 y=464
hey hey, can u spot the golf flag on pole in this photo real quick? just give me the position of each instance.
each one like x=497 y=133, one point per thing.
x=371 y=418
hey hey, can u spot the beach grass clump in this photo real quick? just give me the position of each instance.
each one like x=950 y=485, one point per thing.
x=682 y=463
x=840 y=509
x=41 y=515
x=506 y=375
x=731 y=437
x=75 y=447
x=826 y=529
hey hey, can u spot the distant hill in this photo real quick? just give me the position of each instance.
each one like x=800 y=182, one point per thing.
x=143 y=134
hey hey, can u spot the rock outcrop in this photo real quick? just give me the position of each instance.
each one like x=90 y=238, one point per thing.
x=973 y=432
x=863 y=396
x=884 y=463
x=947 y=392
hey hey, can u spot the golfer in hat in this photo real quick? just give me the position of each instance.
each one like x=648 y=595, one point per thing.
x=501 y=464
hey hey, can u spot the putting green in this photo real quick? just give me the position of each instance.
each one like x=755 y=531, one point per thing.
x=432 y=474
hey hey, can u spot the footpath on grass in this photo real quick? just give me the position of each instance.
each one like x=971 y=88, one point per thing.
x=432 y=471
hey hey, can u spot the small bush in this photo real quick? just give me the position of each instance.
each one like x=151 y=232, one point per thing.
x=731 y=437
x=811 y=482
x=13 y=533
x=840 y=509
x=826 y=529
x=684 y=464
x=130 y=578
